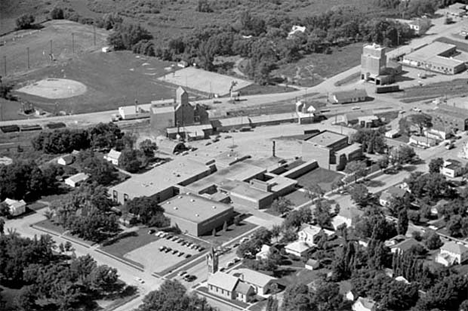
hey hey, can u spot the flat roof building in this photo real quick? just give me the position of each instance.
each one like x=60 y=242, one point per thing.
x=161 y=181
x=436 y=56
x=446 y=116
x=196 y=215
x=352 y=96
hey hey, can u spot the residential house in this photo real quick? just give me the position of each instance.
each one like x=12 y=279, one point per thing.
x=420 y=25
x=348 y=216
x=368 y=121
x=404 y=246
x=16 y=208
x=113 y=156
x=261 y=283
x=264 y=252
x=304 y=242
x=452 y=253
x=352 y=96
x=312 y=264
x=364 y=304
x=452 y=168
x=66 y=159
x=76 y=180
x=421 y=141
x=229 y=287
x=392 y=133
x=296 y=29
x=389 y=194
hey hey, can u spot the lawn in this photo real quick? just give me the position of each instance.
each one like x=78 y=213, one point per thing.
x=297 y=197
x=130 y=243
x=314 y=68
x=302 y=276
x=323 y=177
x=48 y=225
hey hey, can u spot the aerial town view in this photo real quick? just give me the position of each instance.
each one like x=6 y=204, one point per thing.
x=270 y=155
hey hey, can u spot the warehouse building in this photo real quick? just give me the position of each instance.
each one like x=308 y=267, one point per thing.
x=162 y=182
x=352 y=96
x=437 y=56
x=450 y=117
x=196 y=215
x=330 y=150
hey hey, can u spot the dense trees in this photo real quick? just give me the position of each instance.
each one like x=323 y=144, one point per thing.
x=127 y=36
x=359 y=194
x=102 y=137
x=51 y=280
x=57 y=13
x=147 y=210
x=173 y=296
x=372 y=141
x=436 y=165
x=281 y=205
x=357 y=168
x=25 y=21
x=86 y=213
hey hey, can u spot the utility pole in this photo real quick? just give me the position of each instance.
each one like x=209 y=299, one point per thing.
x=4 y=65
x=27 y=49
x=51 y=48
x=73 y=42
x=94 y=33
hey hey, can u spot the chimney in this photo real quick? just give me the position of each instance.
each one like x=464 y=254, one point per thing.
x=274 y=149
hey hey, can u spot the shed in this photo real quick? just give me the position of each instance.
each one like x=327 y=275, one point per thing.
x=66 y=159
x=76 y=180
x=169 y=146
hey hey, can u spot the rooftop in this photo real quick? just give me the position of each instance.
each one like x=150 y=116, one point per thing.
x=243 y=189
x=453 y=111
x=161 y=110
x=326 y=138
x=406 y=244
x=429 y=51
x=223 y=280
x=113 y=154
x=350 y=149
x=161 y=177
x=193 y=208
x=253 y=277
x=455 y=248
x=345 y=95
x=78 y=177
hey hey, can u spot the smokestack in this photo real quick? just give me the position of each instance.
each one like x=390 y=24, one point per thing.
x=274 y=149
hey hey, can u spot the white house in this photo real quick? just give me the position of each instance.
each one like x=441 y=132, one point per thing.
x=296 y=29
x=452 y=168
x=304 y=242
x=113 y=156
x=16 y=208
x=312 y=264
x=76 y=180
x=364 y=304
x=66 y=159
x=264 y=252
x=261 y=283
x=452 y=253
x=230 y=287
x=348 y=216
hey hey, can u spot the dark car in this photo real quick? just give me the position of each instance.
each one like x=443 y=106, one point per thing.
x=190 y=278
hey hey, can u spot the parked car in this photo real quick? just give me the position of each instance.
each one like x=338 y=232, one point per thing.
x=162 y=248
x=188 y=256
x=168 y=249
x=151 y=231
x=181 y=273
x=140 y=280
x=175 y=252
x=451 y=146
x=180 y=254
x=190 y=278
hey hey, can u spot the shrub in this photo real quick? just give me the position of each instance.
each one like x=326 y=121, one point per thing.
x=57 y=13
x=25 y=21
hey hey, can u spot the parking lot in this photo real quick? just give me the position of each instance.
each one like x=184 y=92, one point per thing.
x=157 y=261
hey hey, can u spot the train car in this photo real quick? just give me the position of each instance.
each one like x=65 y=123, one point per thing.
x=387 y=88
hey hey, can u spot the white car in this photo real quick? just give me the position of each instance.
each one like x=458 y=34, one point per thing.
x=356 y=108
x=416 y=109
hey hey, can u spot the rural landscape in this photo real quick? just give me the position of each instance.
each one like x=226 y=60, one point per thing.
x=270 y=155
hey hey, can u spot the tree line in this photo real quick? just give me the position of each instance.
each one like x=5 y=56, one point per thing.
x=50 y=279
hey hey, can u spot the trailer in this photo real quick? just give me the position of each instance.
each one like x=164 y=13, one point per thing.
x=387 y=88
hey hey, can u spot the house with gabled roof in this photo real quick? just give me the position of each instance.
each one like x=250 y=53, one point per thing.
x=229 y=287
x=452 y=253
x=404 y=246
x=113 y=156
x=388 y=195
x=76 y=180
x=66 y=160
x=16 y=208
x=348 y=216
x=260 y=282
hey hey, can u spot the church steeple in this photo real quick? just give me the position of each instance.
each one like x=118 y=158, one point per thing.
x=212 y=261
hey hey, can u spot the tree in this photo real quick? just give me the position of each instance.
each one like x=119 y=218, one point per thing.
x=147 y=209
x=359 y=194
x=402 y=225
x=297 y=297
x=275 y=232
x=273 y=305
x=148 y=147
x=57 y=13
x=436 y=165
x=383 y=162
x=25 y=21
x=2 y=226
x=322 y=213
x=129 y=160
x=358 y=168
x=314 y=191
x=281 y=205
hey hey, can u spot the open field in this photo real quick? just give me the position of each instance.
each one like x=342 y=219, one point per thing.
x=64 y=39
x=205 y=81
x=315 y=68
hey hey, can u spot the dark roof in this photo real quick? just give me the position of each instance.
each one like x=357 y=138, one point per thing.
x=348 y=95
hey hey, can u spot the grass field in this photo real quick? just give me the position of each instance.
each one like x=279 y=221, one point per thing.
x=324 y=178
